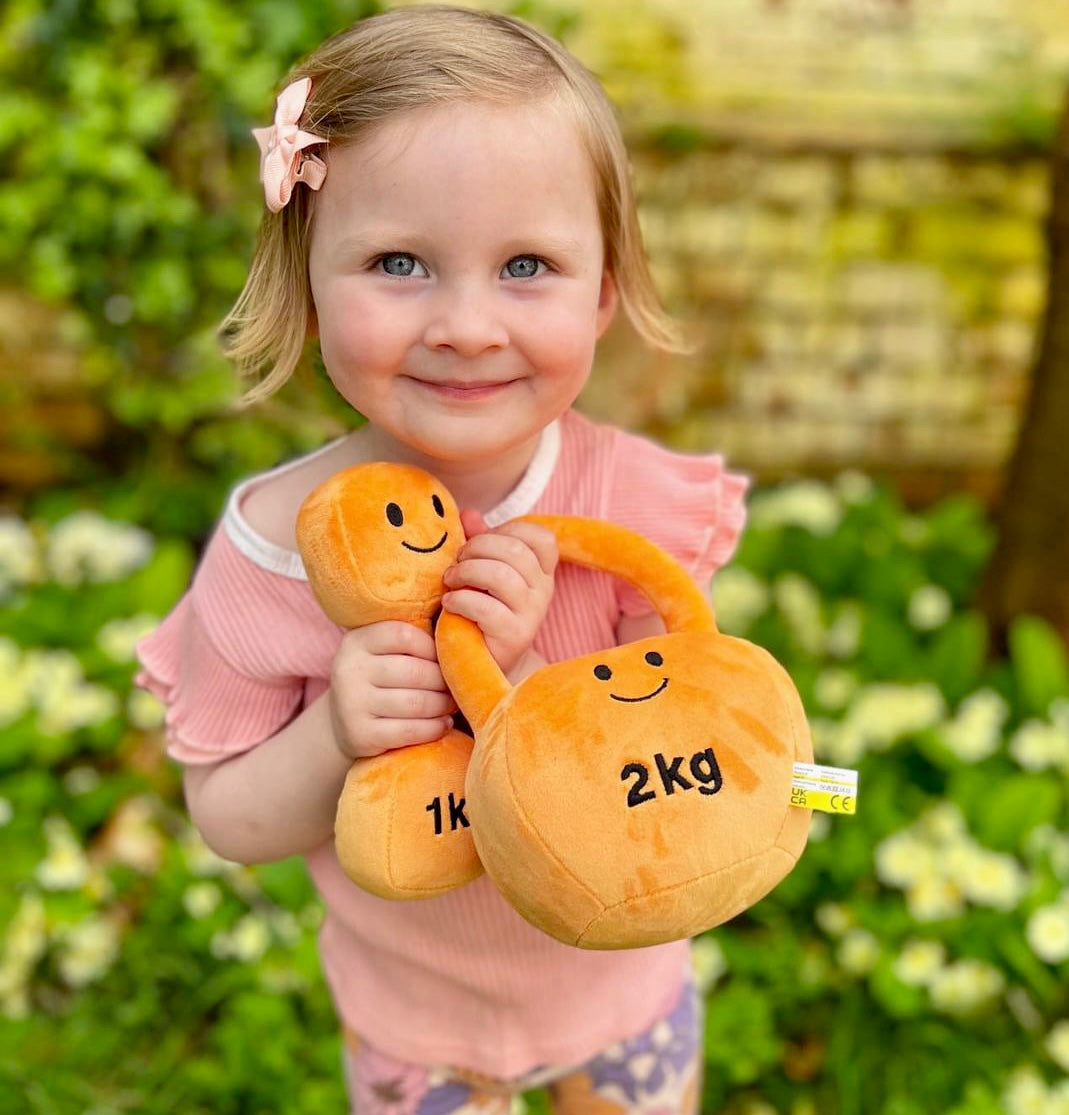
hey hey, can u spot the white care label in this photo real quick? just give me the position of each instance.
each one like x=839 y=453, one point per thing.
x=829 y=789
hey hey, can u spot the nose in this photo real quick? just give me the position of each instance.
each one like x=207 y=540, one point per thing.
x=466 y=320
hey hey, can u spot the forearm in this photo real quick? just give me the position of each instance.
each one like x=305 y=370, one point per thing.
x=276 y=800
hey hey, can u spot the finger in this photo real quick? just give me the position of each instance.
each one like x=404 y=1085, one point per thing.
x=388 y=734
x=495 y=577
x=404 y=672
x=507 y=549
x=410 y=704
x=394 y=637
x=492 y=616
x=473 y=522
x=541 y=541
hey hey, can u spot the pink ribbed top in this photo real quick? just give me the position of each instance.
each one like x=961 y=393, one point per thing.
x=458 y=979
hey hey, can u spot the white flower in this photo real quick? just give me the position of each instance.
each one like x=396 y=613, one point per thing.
x=858 y=952
x=1037 y=745
x=144 y=711
x=20 y=556
x=853 y=486
x=1026 y=1093
x=739 y=597
x=118 y=637
x=132 y=838
x=903 y=859
x=944 y=822
x=919 y=962
x=993 y=879
x=843 y=637
x=913 y=530
x=976 y=729
x=201 y=899
x=87 y=950
x=929 y=607
x=247 y=941
x=200 y=859
x=834 y=687
x=81 y=780
x=709 y=962
x=65 y=866
x=86 y=546
x=16 y=697
x=24 y=944
x=1047 y=931
x=65 y=701
x=1057 y=1044
x=807 y=504
x=883 y=713
x=965 y=986
x=834 y=918
x=799 y=603
x=934 y=898
x=1046 y=840
x=82 y=707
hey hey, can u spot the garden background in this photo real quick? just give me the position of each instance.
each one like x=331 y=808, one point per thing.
x=846 y=201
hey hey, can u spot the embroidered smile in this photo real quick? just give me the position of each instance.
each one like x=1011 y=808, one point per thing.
x=647 y=697
x=426 y=549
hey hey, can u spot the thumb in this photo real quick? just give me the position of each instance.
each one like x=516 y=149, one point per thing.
x=473 y=522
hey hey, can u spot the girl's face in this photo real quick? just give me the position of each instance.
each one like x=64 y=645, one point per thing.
x=457 y=270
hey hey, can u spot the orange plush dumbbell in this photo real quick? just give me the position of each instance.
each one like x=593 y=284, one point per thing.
x=375 y=540
x=640 y=794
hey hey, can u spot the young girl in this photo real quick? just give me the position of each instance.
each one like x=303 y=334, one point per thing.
x=450 y=216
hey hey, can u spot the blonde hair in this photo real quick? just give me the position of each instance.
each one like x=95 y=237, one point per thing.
x=406 y=59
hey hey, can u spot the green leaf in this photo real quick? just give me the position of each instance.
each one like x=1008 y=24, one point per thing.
x=956 y=658
x=1040 y=664
x=1003 y=808
x=740 y=1033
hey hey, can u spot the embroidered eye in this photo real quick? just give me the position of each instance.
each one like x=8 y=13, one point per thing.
x=523 y=267
x=394 y=515
x=439 y=509
x=602 y=673
x=654 y=659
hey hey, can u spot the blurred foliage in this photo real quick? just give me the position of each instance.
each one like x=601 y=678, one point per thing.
x=129 y=204
x=916 y=960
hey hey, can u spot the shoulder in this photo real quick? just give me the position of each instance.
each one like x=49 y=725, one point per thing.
x=690 y=504
x=266 y=505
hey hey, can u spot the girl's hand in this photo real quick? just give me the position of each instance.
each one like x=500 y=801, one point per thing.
x=503 y=581
x=386 y=690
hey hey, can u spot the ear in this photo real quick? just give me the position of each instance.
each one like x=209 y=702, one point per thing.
x=608 y=298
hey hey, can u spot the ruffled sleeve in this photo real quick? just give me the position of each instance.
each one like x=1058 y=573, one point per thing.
x=230 y=662
x=690 y=505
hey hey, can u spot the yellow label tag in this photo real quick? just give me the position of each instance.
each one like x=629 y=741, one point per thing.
x=829 y=789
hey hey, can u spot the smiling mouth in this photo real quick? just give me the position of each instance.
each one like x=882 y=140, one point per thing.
x=426 y=549
x=648 y=696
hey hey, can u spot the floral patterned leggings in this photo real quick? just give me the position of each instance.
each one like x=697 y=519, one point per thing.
x=658 y=1072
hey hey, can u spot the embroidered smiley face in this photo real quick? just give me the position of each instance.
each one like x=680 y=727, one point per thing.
x=376 y=539
x=652 y=658
x=395 y=516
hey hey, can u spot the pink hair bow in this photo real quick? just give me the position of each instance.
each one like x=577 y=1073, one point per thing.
x=283 y=161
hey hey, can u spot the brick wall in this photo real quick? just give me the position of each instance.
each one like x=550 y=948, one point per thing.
x=845 y=198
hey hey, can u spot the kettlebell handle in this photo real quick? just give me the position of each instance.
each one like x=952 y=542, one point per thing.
x=469 y=669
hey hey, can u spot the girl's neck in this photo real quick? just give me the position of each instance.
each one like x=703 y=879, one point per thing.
x=478 y=484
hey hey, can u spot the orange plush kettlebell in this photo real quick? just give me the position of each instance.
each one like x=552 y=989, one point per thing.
x=375 y=540
x=640 y=794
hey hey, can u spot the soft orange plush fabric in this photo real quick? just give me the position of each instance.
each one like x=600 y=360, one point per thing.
x=375 y=540
x=640 y=794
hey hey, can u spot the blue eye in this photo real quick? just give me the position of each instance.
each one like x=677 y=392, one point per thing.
x=523 y=267
x=399 y=265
